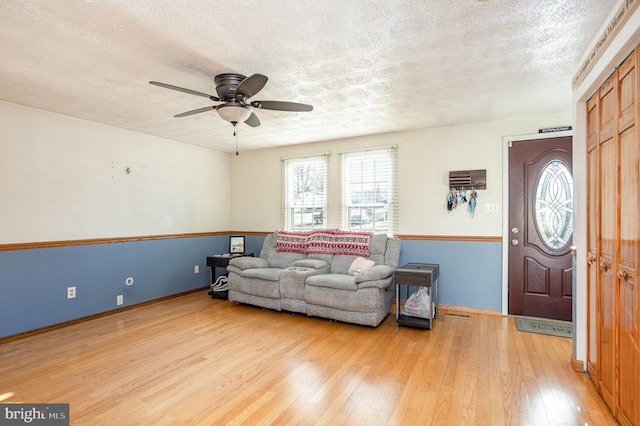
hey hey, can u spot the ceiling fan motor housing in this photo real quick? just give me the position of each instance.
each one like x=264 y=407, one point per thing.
x=226 y=84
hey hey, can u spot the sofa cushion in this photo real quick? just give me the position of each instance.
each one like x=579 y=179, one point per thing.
x=381 y=284
x=283 y=259
x=378 y=244
x=322 y=256
x=339 y=281
x=268 y=246
x=363 y=300
x=269 y=274
x=392 y=252
x=269 y=297
x=377 y=272
x=311 y=263
x=341 y=264
x=378 y=248
x=248 y=262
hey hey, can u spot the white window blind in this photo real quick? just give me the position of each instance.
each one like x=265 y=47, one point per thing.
x=304 y=203
x=370 y=190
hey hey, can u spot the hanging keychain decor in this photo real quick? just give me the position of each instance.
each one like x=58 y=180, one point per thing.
x=462 y=196
x=472 y=202
x=451 y=200
x=456 y=197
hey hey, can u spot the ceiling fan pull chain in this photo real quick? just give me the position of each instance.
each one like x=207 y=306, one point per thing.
x=235 y=133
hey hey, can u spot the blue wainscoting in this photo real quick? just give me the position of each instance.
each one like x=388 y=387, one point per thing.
x=33 y=282
x=470 y=271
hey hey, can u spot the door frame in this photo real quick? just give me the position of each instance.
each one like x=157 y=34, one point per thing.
x=506 y=140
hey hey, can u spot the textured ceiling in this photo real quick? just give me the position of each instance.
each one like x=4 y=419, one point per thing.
x=366 y=66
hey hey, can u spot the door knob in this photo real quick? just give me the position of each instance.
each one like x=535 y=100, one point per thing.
x=604 y=266
x=515 y=230
x=514 y=242
x=624 y=274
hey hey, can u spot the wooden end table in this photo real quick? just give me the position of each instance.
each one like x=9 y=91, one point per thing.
x=221 y=261
x=419 y=275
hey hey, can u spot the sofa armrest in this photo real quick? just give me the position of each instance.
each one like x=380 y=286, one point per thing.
x=375 y=273
x=311 y=263
x=248 y=262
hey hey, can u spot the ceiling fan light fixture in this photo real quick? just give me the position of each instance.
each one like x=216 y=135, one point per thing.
x=234 y=113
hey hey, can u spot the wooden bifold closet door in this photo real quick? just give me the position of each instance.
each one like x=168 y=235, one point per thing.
x=613 y=179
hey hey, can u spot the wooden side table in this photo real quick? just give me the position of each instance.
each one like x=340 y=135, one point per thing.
x=419 y=275
x=221 y=261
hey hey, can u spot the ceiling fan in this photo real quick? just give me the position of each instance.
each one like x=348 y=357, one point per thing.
x=234 y=91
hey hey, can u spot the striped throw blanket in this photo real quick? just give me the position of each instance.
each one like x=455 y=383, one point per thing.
x=325 y=241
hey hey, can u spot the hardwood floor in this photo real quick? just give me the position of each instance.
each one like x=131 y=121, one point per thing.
x=196 y=360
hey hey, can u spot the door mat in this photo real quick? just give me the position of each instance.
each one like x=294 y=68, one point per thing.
x=544 y=326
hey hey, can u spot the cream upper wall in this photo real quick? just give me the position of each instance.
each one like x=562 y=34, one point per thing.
x=62 y=178
x=425 y=158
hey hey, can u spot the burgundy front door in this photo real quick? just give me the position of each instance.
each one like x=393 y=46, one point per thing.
x=540 y=228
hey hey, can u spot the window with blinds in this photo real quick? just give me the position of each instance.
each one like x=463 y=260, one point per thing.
x=370 y=190
x=304 y=204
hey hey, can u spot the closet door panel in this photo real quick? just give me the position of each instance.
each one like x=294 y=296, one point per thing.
x=608 y=179
x=627 y=353
x=607 y=276
x=592 y=123
x=628 y=211
x=628 y=317
x=608 y=173
x=592 y=271
x=607 y=110
x=592 y=239
x=626 y=276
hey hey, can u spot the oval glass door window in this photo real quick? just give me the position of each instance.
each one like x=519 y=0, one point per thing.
x=554 y=204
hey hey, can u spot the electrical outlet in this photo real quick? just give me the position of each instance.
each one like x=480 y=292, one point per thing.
x=71 y=292
x=196 y=269
x=119 y=299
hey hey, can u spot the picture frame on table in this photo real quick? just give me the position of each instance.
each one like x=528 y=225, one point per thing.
x=236 y=244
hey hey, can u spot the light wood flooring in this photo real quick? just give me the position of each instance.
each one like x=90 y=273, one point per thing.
x=197 y=360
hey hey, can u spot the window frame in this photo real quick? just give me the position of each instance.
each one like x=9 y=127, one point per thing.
x=373 y=173
x=312 y=206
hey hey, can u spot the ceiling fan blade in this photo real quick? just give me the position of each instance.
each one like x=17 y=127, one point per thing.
x=282 y=106
x=196 y=111
x=253 y=120
x=182 y=89
x=251 y=85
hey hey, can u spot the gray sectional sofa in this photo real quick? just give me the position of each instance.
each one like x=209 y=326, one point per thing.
x=318 y=284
